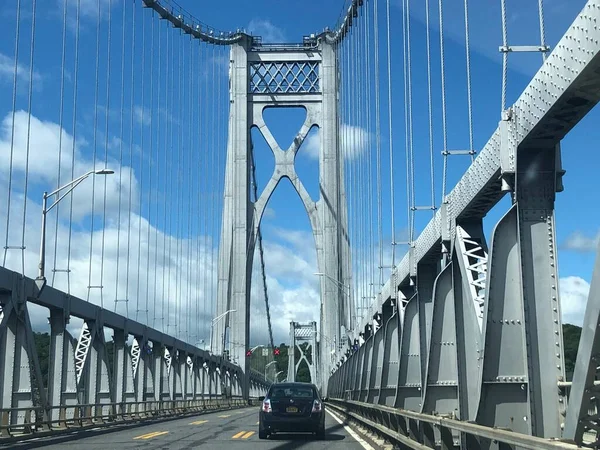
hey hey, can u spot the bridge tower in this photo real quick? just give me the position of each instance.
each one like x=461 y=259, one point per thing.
x=299 y=334
x=277 y=76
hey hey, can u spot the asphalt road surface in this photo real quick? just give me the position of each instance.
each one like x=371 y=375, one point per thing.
x=235 y=429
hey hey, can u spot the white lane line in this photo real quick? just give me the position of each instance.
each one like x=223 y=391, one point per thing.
x=352 y=433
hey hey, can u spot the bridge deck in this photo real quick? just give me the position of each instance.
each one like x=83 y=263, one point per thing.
x=219 y=430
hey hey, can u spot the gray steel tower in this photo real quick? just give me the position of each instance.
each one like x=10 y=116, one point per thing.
x=279 y=76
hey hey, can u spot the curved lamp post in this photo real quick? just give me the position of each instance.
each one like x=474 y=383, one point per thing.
x=212 y=325
x=40 y=281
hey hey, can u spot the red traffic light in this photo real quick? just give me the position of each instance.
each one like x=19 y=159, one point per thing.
x=276 y=351
x=248 y=352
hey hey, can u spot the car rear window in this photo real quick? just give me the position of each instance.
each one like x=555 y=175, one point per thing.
x=292 y=392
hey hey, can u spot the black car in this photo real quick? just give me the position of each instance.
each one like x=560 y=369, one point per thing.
x=292 y=407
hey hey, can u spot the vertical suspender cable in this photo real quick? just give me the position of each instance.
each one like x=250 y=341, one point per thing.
x=172 y=176
x=73 y=147
x=198 y=213
x=378 y=143
x=369 y=179
x=443 y=79
x=108 y=57
x=117 y=272
x=205 y=194
x=179 y=207
x=95 y=149
x=29 y=106
x=542 y=28
x=158 y=171
x=12 y=130
x=60 y=136
x=204 y=212
x=364 y=165
x=141 y=113
x=391 y=145
x=212 y=190
x=468 y=59
x=356 y=64
x=167 y=178
x=131 y=172
x=190 y=183
x=410 y=170
x=151 y=160
x=504 y=52
x=430 y=105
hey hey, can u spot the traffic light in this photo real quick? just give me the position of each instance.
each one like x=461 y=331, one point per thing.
x=276 y=351
x=248 y=353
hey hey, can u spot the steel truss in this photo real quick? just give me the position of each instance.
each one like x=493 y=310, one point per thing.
x=155 y=373
x=476 y=336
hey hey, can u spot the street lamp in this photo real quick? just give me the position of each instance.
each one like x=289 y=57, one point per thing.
x=342 y=287
x=272 y=362
x=212 y=325
x=40 y=281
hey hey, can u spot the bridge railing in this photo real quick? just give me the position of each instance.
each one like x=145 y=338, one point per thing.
x=36 y=420
x=422 y=431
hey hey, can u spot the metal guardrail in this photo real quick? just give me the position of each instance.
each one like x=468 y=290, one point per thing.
x=425 y=432
x=36 y=421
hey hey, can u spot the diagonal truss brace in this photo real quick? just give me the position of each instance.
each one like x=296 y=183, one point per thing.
x=82 y=350
x=168 y=360
x=475 y=258
x=135 y=356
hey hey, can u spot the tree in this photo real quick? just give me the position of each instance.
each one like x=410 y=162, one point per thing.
x=571 y=336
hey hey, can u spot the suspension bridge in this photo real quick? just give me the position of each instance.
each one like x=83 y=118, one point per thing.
x=141 y=150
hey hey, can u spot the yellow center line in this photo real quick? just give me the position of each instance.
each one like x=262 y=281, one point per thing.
x=236 y=436
x=225 y=416
x=248 y=434
x=151 y=435
x=198 y=422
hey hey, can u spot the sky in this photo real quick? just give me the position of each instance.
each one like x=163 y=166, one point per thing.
x=174 y=212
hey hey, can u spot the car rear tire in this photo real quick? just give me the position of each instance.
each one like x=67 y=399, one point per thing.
x=262 y=434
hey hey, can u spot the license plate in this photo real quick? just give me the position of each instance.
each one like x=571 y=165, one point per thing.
x=291 y=409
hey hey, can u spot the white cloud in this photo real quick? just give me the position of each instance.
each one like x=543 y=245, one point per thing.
x=7 y=72
x=581 y=242
x=43 y=164
x=574 y=293
x=269 y=213
x=141 y=115
x=87 y=8
x=266 y=29
x=354 y=141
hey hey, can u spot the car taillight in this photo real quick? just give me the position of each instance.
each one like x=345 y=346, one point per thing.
x=266 y=406
x=317 y=406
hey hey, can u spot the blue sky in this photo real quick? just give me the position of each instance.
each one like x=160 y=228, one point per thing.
x=290 y=255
